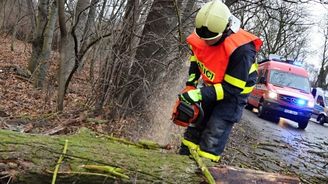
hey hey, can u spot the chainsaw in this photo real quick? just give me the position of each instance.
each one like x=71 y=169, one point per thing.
x=185 y=114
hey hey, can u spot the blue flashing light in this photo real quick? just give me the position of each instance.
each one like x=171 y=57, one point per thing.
x=297 y=63
x=300 y=102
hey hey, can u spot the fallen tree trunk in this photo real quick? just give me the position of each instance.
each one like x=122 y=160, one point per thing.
x=90 y=158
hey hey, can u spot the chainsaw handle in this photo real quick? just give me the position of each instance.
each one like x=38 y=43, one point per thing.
x=201 y=114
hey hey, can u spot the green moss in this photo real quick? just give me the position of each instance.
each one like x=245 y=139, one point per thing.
x=87 y=148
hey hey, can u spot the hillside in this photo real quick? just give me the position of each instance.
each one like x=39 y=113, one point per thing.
x=26 y=109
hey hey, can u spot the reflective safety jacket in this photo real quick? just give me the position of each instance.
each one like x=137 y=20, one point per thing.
x=228 y=69
x=213 y=60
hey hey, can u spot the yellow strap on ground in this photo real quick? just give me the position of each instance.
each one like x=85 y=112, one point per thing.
x=204 y=154
x=54 y=176
x=193 y=149
x=189 y=144
x=202 y=166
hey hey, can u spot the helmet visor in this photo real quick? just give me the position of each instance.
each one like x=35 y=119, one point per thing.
x=206 y=34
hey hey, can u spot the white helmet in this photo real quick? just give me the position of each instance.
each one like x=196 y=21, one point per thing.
x=212 y=20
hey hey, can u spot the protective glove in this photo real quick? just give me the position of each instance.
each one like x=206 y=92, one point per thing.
x=188 y=88
x=191 y=97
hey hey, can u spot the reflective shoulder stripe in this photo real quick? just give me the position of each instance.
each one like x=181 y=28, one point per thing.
x=253 y=68
x=248 y=90
x=234 y=81
x=219 y=91
x=189 y=144
x=204 y=154
x=193 y=58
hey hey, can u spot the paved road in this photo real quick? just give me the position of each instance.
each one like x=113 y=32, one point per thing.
x=304 y=151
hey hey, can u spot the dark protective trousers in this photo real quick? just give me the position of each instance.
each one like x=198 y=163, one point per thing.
x=211 y=134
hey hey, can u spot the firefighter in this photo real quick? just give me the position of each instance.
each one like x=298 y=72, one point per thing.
x=223 y=57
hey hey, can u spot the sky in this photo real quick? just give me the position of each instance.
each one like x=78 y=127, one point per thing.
x=318 y=12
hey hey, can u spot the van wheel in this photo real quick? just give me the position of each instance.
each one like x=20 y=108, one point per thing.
x=249 y=106
x=303 y=124
x=261 y=111
x=321 y=119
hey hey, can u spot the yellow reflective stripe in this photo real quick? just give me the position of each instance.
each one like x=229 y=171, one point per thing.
x=247 y=90
x=254 y=67
x=234 y=81
x=189 y=144
x=191 y=77
x=193 y=58
x=219 y=91
x=204 y=154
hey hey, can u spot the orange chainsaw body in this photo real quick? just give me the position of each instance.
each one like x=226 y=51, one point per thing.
x=185 y=114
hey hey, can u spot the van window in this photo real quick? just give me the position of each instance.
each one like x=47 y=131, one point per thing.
x=262 y=73
x=259 y=76
x=314 y=92
x=320 y=101
x=285 y=79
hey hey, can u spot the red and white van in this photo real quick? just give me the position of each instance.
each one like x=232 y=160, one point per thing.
x=282 y=90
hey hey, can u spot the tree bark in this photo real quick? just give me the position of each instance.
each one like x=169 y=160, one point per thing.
x=43 y=60
x=153 y=55
x=70 y=47
x=323 y=72
x=32 y=159
x=38 y=34
x=66 y=54
x=88 y=158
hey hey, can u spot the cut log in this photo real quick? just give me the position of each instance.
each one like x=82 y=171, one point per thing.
x=92 y=158
x=227 y=174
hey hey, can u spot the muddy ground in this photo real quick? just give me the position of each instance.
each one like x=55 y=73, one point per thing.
x=280 y=148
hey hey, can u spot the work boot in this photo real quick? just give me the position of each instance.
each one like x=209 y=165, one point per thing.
x=184 y=150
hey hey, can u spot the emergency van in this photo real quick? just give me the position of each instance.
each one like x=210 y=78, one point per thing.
x=282 y=90
x=320 y=110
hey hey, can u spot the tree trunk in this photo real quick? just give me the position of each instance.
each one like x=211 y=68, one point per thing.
x=38 y=34
x=42 y=70
x=87 y=158
x=154 y=53
x=30 y=6
x=70 y=47
x=34 y=158
x=87 y=34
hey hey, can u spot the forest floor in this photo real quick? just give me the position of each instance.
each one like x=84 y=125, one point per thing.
x=24 y=108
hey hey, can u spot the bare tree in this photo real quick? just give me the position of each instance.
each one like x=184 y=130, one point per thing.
x=41 y=70
x=71 y=41
x=119 y=60
x=323 y=71
x=282 y=28
x=37 y=41
x=154 y=54
x=16 y=19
